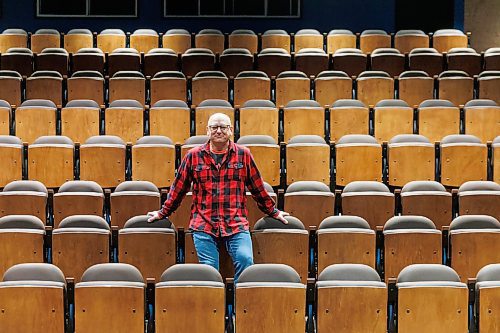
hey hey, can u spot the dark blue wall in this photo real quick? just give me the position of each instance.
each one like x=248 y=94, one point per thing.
x=323 y=15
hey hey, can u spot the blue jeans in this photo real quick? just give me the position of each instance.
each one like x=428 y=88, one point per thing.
x=239 y=247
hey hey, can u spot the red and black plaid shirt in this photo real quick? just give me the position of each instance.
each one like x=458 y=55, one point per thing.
x=219 y=200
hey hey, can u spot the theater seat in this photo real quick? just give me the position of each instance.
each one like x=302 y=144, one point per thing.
x=426 y=59
x=374 y=86
x=303 y=117
x=24 y=197
x=345 y=239
x=339 y=39
x=151 y=247
x=342 y=291
x=153 y=159
x=18 y=59
x=455 y=86
x=235 y=60
x=196 y=60
x=372 y=39
x=45 y=85
x=259 y=117
x=392 y=117
x=11 y=157
x=53 y=59
x=389 y=60
x=5 y=117
x=10 y=89
x=407 y=40
x=414 y=87
x=88 y=59
x=207 y=108
x=178 y=40
x=244 y=38
x=445 y=39
x=211 y=39
x=127 y=85
x=110 y=298
x=169 y=85
x=307 y=38
x=307 y=158
x=482 y=119
x=273 y=61
x=110 y=39
x=13 y=37
x=76 y=39
x=350 y=60
x=276 y=38
x=489 y=85
x=292 y=85
x=80 y=119
x=270 y=297
x=32 y=296
x=125 y=119
x=144 y=40
x=43 y=38
x=185 y=290
x=88 y=85
x=170 y=118
x=479 y=198
x=438 y=118
x=487 y=297
x=249 y=85
x=209 y=85
x=123 y=59
x=331 y=86
x=158 y=60
x=266 y=153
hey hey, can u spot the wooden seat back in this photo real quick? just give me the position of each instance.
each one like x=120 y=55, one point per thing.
x=10 y=164
x=489 y=88
x=86 y=88
x=51 y=164
x=71 y=203
x=303 y=120
x=43 y=41
x=50 y=88
x=299 y=204
x=358 y=163
x=391 y=121
x=210 y=41
x=10 y=90
x=462 y=163
x=330 y=89
x=289 y=89
x=126 y=123
x=17 y=247
x=108 y=43
x=144 y=43
x=104 y=165
x=410 y=162
x=247 y=88
x=249 y=42
x=209 y=88
x=415 y=90
x=74 y=42
x=371 y=90
x=483 y=122
x=457 y=90
x=308 y=163
x=335 y=42
x=127 y=88
x=178 y=43
x=126 y=205
x=437 y=122
x=8 y=41
x=276 y=41
x=79 y=123
x=376 y=209
x=154 y=163
x=33 y=122
x=368 y=43
x=406 y=43
x=168 y=88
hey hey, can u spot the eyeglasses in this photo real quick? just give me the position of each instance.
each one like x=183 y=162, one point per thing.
x=223 y=128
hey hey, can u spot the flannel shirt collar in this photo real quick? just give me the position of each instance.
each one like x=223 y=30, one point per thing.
x=231 y=147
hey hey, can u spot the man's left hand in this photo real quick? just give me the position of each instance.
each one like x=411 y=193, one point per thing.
x=281 y=216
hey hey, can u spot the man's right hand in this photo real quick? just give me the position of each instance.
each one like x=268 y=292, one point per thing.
x=153 y=216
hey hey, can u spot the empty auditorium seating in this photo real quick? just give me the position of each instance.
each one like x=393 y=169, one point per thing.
x=410 y=240
x=77 y=39
x=303 y=117
x=80 y=120
x=389 y=60
x=150 y=247
x=79 y=242
x=250 y=85
x=311 y=61
x=482 y=119
x=88 y=59
x=486 y=298
x=44 y=38
x=292 y=85
x=358 y=157
x=302 y=195
x=266 y=153
x=5 y=117
x=110 y=39
x=273 y=61
x=410 y=157
x=331 y=86
x=414 y=87
x=427 y=59
x=270 y=297
x=207 y=108
x=489 y=85
x=50 y=160
x=351 y=298
x=492 y=59
x=170 y=118
x=18 y=59
x=243 y=38
x=276 y=39
x=259 y=117
x=307 y=158
x=77 y=197
x=473 y=241
x=24 y=197
x=348 y=116
x=187 y=289
x=370 y=40
x=445 y=39
x=110 y=298
x=479 y=198
x=209 y=85
x=123 y=59
x=125 y=119
x=438 y=118
x=464 y=59
x=431 y=298
x=307 y=38
x=392 y=117
x=168 y=85
x=407 y=40
x=153 y=159
x=429 y=199
x=143 y=40
x=35 y=118
x=235 y=60
x=374 y=86
x=13 y=38
x=127 y=85
x=455 y=86
x=340 y=39
x=345 y=239
x=86 y=85
x=45 y=85
x=463 y=158
x=197 y=60
x=370 y=200
x=102 y=159
x=21 y=240
x=158 y=60
x=11 y=159
x=211 y=39
x=10 y=88
x=53 y=59
x=350 y=60
x=178 y=40
x=132 y=198
x=32 y=296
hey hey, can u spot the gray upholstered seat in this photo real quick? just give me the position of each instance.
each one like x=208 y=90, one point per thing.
x=306 y=139
x=145 y=32
x=291 y=74
x=256 y=140
x=112 y=32
x=34 y=272
x=136 y=185
x=198 y=50
x=409 y=139
x=9 y=73
x=423 y=186
x=26 y=185
x=302 y=103
x=82 y=103
x=177 y=32
x=10 y=140
x=154 y=140
x=53 y=74
x=478 y=185
x=21 y=222
x=190 y=274
x=367 y=74
x=252 y=74
x=269 y=273
x=373 y=32
x=460 y=139
x=436 y=103
x=47 y=32
x=275 y=32
x=141 y=221
x=409 y=222
x=352 y=275
x=365 y=186
x=125 y=103
x=474 y=222
x=210 y=32
x=128 y=74
x=348 y=103
x=73 y=186
x=90 y=50
x=210 y=74
x=170 y=103
x=169 y=74
x=79 y=32
x=268 y=222
x=88 y=74
x=126 y=51
x=357 y=139
x=428 y=275
x=105 y=140
x=480 y=103
x=55 y=50
x=112 y=272
x=344 y=221
x=424 y=50
x=258 y=103
x=410 y=32
x=408 y=74
x=242 y=32
x=328 y=74
x=215 y=103
x=307 y=185
x=391 y=103
x=453 y=74
x=83 y=221
x=235 y=51
x=196 y=140
x=340 y=32
x=53 y=140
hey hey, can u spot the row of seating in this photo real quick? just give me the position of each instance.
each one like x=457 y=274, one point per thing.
x=370 y=200
x=180 y=40
x=370 y=87
x=128 y=119
x=272 y=61
x=107 y=160
x=346 y=297
x=467 y=244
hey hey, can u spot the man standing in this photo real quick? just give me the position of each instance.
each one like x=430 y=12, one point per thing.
x=219 y=171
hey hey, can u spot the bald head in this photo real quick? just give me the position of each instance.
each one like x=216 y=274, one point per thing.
x=219 y=119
